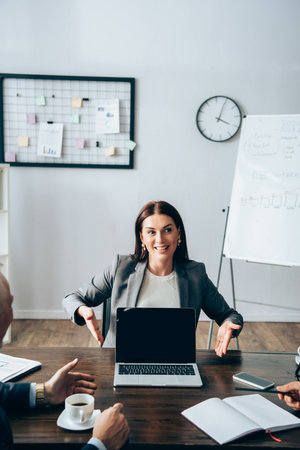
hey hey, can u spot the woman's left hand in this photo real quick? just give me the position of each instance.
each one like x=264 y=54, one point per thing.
x=224 y=336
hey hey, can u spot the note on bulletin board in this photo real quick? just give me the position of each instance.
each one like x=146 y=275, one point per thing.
x=108 y=117
x=50 y=139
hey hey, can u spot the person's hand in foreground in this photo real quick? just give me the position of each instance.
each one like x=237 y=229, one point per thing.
x=92 y=323
x=65 y=383
x=111 y=427
x=294 y=388
x=224 y=336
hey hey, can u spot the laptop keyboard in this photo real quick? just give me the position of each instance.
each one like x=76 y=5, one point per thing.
x=156 y=369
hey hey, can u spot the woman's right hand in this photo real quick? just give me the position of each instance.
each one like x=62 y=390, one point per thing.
x=88 y=315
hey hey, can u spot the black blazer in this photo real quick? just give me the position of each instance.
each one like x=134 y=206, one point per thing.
x=12 y=396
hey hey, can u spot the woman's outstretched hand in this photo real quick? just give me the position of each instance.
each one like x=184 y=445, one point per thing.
x=224 y=336
x=88 y=315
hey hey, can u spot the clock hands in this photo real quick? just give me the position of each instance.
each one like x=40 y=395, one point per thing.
x=218 y=119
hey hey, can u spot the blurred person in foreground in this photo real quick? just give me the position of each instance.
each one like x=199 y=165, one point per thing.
x=110 y=429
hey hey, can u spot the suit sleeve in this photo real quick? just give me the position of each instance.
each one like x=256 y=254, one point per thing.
x=89 y=447
x=217 y=308
x=14 y=395
x=91 y=294
x=6 y=437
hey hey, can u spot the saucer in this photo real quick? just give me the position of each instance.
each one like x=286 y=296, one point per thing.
x=64 y=422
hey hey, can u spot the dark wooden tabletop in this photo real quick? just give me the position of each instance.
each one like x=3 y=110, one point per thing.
x=153 y=414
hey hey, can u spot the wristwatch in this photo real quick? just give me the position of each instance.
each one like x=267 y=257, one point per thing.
x=40 y=394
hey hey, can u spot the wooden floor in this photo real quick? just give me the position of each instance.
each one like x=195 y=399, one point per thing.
x=256 y=336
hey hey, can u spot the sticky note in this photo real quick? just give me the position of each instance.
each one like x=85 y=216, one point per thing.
x=74 y=118
x=31 y=118
x=10 y=157
x=23 y=141
x=76 y=102
x=40 y=101
x=131 y=145
x=79 y=143
x=110 y=151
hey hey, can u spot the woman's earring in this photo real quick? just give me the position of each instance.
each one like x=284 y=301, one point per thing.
x=143 y=247
x=178 y=242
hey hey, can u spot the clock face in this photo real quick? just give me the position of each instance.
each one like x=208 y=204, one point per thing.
x=219 y=118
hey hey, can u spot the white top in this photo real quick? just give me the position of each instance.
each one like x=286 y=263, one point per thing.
x=159 y=292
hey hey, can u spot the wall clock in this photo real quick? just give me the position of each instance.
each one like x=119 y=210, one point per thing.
x=219 y=118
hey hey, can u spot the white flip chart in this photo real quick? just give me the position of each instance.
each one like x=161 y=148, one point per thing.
x=264 y=217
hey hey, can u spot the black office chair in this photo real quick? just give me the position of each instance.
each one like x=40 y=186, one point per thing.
x=105 y=320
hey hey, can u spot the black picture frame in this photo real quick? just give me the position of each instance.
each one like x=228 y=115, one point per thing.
x=131 y=83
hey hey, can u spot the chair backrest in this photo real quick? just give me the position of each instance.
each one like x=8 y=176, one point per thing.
x=105 y=321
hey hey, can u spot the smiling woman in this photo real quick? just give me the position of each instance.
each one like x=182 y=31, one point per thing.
x=158 y=274
x=159 y=223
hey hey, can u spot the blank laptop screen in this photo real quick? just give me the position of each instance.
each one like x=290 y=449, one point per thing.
x=159 y=335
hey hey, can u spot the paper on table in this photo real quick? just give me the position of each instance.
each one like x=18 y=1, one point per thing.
x=12 y=367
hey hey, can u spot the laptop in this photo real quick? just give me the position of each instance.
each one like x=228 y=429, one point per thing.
x=156 y=347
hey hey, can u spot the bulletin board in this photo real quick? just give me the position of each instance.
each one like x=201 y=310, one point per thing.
x=62 y=121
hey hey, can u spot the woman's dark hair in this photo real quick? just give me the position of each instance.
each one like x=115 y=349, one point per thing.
x=159 y=207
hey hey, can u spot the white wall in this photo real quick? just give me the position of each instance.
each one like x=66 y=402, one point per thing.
x=66 y=224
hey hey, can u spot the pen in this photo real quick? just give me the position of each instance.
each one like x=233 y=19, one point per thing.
x=272 y=391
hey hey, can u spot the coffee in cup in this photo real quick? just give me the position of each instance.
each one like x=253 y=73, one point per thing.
x=79 y=407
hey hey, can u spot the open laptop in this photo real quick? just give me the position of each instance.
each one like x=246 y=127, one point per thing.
x=156 y=347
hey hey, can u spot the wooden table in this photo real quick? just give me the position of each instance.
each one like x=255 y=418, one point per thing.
x=153 y=414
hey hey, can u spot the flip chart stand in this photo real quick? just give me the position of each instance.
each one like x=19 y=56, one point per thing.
x=218 y=282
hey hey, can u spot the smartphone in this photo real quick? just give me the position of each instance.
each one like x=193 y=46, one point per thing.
x=252 y=380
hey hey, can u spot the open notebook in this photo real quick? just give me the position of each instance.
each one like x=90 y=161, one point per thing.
x=233 y=417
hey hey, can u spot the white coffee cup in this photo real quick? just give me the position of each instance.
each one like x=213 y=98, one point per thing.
x=79 y=408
